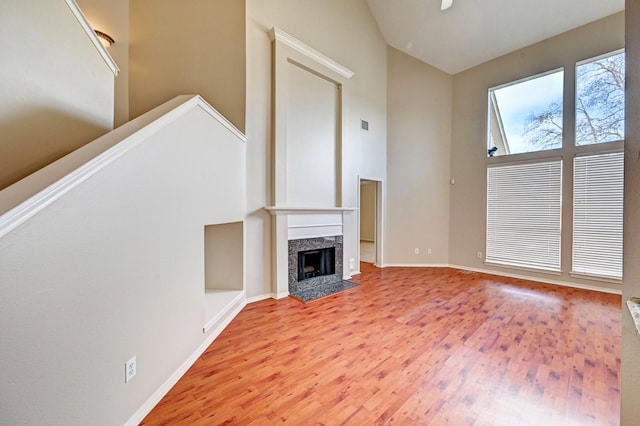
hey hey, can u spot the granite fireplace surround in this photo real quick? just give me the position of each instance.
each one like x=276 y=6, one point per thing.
x=305 y=244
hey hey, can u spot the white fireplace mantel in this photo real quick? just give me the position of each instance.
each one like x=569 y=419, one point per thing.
x=278 y=210
x=292 y=223
x=307 y=164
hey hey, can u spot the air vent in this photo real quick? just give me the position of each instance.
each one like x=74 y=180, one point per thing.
x=364 y=125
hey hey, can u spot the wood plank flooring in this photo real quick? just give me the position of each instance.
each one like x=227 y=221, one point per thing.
x=412 y=346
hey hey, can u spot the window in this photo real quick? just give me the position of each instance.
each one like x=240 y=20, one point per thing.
x=526 y=116
x=524 y=192
x=597 y=214
x=523 y=214
x=600 y=100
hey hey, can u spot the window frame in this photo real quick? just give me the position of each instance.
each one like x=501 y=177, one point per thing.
x=493 y=106
x=567 y=152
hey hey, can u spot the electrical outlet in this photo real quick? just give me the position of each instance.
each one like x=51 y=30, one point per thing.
x=479 y=255
x=352 y=264
x=130 y=369
x=428 y=251
x=416 y=250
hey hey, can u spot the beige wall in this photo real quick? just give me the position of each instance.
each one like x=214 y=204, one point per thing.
x=177 y=50
x=419 y=145
x=368 y=211
x=56 y=91
x=630 y=374
x=112 y=17
x=346 y=32
x=468 y=154
x=223 y=256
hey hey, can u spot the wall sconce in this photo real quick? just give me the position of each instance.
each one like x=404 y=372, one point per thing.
x=105 y=38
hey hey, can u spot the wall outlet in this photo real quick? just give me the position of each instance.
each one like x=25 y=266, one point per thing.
x=130 y=369
x=416 y=250
x=428 y=251
x=352 y=264
x=479 y=254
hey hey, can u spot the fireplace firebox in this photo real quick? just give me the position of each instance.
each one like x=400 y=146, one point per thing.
x=316 y=263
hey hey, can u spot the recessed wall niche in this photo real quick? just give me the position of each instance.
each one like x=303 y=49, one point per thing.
x=223 y=268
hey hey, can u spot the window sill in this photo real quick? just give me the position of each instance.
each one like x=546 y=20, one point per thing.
x=524 y=268
x=601 y=278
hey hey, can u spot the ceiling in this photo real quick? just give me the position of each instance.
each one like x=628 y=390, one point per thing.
x=474 y=31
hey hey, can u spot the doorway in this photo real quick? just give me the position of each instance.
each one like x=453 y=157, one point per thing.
x=369 y=229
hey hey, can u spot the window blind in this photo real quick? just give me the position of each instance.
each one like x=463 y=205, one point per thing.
x=524 y=204
x=598 y=182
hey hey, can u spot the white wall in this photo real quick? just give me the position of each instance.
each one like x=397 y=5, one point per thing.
x=630 y=372
x=56 y=91
x=111 y=270
x=419 y=146
x=469 y=130
x=345 y=32
x=311 y=123
x=112 y=17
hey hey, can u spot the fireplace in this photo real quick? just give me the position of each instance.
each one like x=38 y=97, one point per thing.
x=316 y=263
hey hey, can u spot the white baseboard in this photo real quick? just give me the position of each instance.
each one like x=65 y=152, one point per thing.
x=414 y=265
x=146 y=408
x=542 y=280
x=261 y=297
x=265 y=296
x=507 y=274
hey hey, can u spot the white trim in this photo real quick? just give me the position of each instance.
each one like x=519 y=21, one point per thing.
x=261 y=297
x=314 y=225
x=82 y=20
x=222 y=316
x=278 y=210
x=602 y=278
x=34 y=204
x=556 y=272
x=506 y=274
x=206 y=107
x=542 y=280
x=150 y=403
x=282 y=294
x=415 y=265
x=277 y=34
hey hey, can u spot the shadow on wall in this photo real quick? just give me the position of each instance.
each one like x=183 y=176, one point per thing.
x=38 y=137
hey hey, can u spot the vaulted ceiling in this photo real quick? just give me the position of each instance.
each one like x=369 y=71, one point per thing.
x=474 y=31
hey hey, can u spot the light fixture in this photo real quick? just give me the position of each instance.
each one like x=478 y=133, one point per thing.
x=105 y=38
x=446 y=4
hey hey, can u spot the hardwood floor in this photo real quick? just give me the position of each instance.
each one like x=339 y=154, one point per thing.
x=412 y=346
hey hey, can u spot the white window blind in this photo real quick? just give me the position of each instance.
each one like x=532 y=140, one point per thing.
x=523 y=214
x=598 y=182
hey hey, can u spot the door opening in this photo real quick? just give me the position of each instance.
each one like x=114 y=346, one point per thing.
x=368 y=221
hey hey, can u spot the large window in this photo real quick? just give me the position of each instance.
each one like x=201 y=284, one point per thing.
x=523 y=214
x=526 y=116
x=600 y=100
x=597 y=214
x=525 y=192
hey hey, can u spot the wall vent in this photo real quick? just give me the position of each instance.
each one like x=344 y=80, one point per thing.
x=364 y=125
